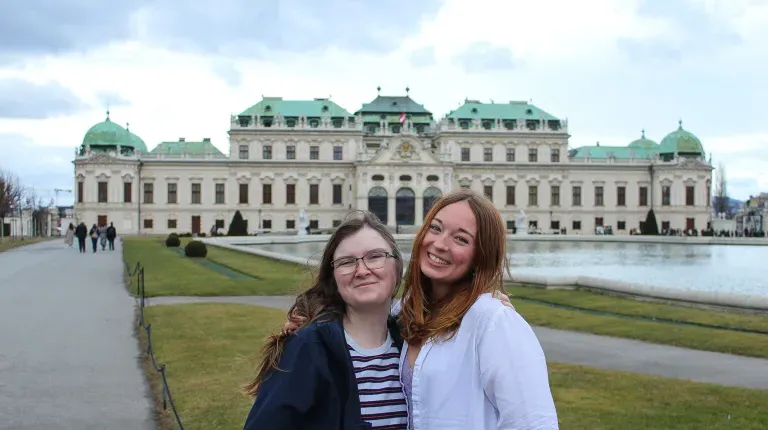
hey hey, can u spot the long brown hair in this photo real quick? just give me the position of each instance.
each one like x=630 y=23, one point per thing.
x=322 y=300
x=421 y=315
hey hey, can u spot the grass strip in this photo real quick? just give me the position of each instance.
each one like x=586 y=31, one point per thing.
x=705 y=339
x=169 y=273
x=584 y=299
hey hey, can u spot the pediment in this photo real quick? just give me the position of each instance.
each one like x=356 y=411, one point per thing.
x=404 y=150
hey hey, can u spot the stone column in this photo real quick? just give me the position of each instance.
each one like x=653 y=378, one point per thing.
x=419 y=211
x=391 y=215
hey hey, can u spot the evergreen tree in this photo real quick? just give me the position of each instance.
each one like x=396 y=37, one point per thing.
x=651 y=226
x=238 y=226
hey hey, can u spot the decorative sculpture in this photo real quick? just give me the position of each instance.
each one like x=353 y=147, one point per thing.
x=521 y=224
x=303 y=223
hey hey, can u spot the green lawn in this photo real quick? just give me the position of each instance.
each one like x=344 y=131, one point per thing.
x=7 y=243
x=620 y=305
x=209 y=350
x=167 y=273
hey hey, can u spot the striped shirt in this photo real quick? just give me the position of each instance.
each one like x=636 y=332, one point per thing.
x=382 y=402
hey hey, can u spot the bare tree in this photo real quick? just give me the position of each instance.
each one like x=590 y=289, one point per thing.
x=722 y=203
x=11 y=196
x=39 y=211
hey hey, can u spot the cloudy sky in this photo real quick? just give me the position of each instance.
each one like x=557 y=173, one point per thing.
x=179 y=68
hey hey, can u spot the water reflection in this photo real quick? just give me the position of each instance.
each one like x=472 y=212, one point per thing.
x=733 y=269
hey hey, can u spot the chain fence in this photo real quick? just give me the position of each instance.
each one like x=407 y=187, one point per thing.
x=137 y=273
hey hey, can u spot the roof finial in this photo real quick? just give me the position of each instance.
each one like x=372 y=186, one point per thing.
x=643 y=130
x=128 y=126
x=378 y=90
x=407 y=89
x=107 y=114
x=680 y=122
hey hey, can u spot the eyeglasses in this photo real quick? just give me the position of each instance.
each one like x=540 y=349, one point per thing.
x=372 y=260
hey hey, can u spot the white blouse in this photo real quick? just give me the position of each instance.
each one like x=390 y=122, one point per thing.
x=491 y=375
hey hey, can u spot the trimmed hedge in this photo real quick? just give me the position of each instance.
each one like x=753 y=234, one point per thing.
x=196 y=249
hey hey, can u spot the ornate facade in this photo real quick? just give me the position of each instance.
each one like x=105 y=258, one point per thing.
x=393 y=158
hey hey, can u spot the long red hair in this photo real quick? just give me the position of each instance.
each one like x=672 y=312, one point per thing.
x=421 y=315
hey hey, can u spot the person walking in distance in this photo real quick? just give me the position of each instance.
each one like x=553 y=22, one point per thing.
x=94 y=234
x=81 y=232
x=111 y=234
x=69 y=236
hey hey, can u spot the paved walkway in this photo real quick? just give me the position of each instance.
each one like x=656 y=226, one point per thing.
x=596 y=351
x=68 y=355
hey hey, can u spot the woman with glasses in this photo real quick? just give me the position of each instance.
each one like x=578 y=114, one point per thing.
x=340 y=371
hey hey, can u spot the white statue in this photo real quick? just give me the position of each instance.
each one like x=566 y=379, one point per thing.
x=521 y=226
x=303 y=222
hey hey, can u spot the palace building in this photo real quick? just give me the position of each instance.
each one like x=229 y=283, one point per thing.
x=393 y=157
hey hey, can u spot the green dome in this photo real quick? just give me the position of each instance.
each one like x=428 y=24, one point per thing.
x=108 y=135
x=682 y=142
x=644 y=143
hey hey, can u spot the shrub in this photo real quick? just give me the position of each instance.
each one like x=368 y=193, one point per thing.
x=196 y=249
x=173 y=241
x=238 y=226
x=651 y=226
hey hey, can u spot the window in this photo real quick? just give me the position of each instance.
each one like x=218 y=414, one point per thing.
x=599 y=221
x=243 y=152
x=554 y=225
x=290 y=194
x=337 y=152
x=598 y=196
x=533 y=195
x=621 y=196
x=173 y=197
x=487 y=154
x=533 y=155
x=709 y=194
x=103 y=192
x=337 y=194
x=555 y=155
x=266 y=152
x=313 y=225
x=576 y=225
x=80 y=189
x=220 y=194
x=666 y=195
x=510 y=195
x=290 y=152
x=219 y=224
x=314 y=152
x=510 y=225
x=488 y=191
x=690 y=196
x=266 y=194
x=243 y=194
x=665 y=226
x=290 y=224
x=313 y=194
x=576 y=195
x=464 y=154
x=554 y=195
x=510 y=155
x=196 y=194
x=643 y=197
x=621 y=225
x=266 y=224
x=127 y=192
x=464 y=186
x=171 y=223
x=147 y=222
x=149 y=193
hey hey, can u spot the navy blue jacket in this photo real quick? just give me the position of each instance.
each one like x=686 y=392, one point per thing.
x=315 y=388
